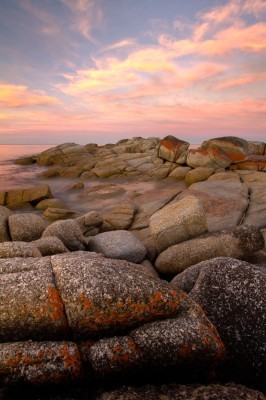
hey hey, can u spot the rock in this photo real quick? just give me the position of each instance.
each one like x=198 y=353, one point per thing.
x=118 y=244
x=25 y=161
x=225 y=176
x=236 y=148
x=252 y=163
x=256 y=212
x=2 y=198
x=198 y=174
x=121 y=217
x=18 y=249
x=4 y=230
x=68 y=231
x=21 y=207
x=219 y=157
x=50 y=203
x=232 y=293
x=104 y=190
x=224 y=202
x=39 y=363
x=55 y=214
x=50 y=245
x=200 y=158
x=144 y=236
x=171 y=148
x=228 y=391
x=179 y=173
x=186 y=280
x=105 y=296
x=31 y=195
x=177 y=222
x=187 y=342
x=5 y=212
x=149 y=268
x=78 y=185
x=34 y=310
x=25 y=227
x=90 y=223
x=237 y=243
x=66 y=154
x=256 y=148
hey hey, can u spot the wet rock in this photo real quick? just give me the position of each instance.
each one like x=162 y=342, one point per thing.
x=30 y=306
x=229 y=391
x=185 y=340
x=171 y=148
x=18 y=249
x=33 y=195
x=104 y=296
x=104 y=190
x=90 y=223
x=65 y=154
x=118 y=244
x=55 y=214
x=121 y=217
x=78 y=185
x=25 y=161
x=25 y=227
x=177 y=222
x=232 y=293
x=198 y=174
x=237 y=243
x=224 y=202
x=48 y=203
x=68 y=231
x=50 y=245
x=39 y=363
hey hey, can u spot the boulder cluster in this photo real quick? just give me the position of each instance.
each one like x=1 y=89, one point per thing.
x=170 y=285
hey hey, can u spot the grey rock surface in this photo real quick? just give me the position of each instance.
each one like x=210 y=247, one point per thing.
x=50 y=245
x=68 y=232
x=18 y=249
x=118 y=244
x=25 y=227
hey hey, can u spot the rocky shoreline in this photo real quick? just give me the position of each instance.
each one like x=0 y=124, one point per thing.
x=166 y=290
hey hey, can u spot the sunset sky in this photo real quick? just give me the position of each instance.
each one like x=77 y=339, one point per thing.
x=101 y=70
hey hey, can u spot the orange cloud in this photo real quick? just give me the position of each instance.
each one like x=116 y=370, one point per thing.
x=244 y=79
x=15 y=96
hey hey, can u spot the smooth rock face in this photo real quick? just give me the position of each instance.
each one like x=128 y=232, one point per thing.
x=50 y=245
x=55 y=214
x=68 y=232
x=224 y=202
x=236 y=148
x=119 y=244
x=18 y=249
x=256 y=212
x=198 y=174
x=159 y=345
x=229 y=391
x=39 y=362
x=30 y=305
x=237 y=243
x=177 y=222
x=233 y=295
x=25 y=227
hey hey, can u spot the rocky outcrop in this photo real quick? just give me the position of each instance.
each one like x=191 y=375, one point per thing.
x=171 y=148
x=198 y=174
x=232 y=293
x=31 y=195
x=86 y=296
x=237 y=243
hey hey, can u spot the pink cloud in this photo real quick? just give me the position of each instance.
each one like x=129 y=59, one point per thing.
x=243 y=79
x=15 y=96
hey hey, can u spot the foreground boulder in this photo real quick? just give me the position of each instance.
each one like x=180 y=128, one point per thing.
x=229 y=391
x=237 y=243
x=233 y=295
x=25 y=227
x=90 y=298
x=177 y=222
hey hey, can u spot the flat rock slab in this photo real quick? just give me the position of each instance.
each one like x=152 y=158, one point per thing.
x=224 y=202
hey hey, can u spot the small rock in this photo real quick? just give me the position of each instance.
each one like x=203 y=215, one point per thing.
x=55 y=214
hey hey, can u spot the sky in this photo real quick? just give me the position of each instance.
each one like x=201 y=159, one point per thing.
x=97 y=71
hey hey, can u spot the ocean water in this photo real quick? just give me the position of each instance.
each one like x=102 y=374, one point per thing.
x=14 y=176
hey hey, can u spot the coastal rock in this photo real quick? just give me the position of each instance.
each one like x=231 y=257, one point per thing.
x=219 y=157
x=65 y=154
x=171 y=148
x=146 y=239
x=200 y=158
x=48 y=203
x=55 y=214
x=177 y=222
x=179 y=173
x=160 y=345
x=25 y=161
x=235 y=148
x=252 y=163
x=25 y=227
x=50 y=245
x=39 y=363
x=4 y=230
x=90 y=223
x=224 y=202
x=237 y=243
x=104 y=190
x=18 y=249
x=256 y=212
x=118 y=244
x=31 y=195
x=256 y=148
x=198 y=174
x=232 y=293
x=5 y=212
x=121 y=217
x=68 y=231
x=225 y=176
x=173 y=391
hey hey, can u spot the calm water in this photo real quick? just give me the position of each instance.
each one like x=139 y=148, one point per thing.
x=13 y=176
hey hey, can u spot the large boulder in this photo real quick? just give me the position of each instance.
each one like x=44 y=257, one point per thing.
x=118 y=244
x=25 y=227
x=178 y=222
x=18 y=249
x=66 y=154
x=198 y=174
x=233 y=295
x=69 y=232
x=235 y=148
x=237 y=243
x=171 y=148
